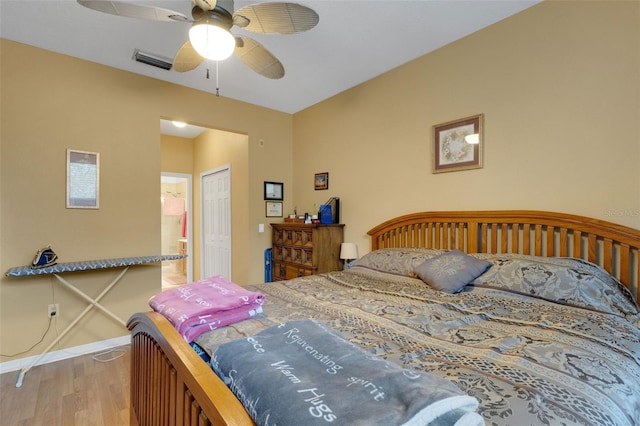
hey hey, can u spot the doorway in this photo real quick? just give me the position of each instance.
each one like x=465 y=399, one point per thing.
x=176 y=229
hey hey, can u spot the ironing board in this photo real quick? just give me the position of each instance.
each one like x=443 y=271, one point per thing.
x=86 y=265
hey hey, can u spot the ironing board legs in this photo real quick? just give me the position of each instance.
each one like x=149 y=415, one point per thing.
x=92 y=303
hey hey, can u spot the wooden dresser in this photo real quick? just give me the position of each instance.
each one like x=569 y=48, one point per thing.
x=300 y=249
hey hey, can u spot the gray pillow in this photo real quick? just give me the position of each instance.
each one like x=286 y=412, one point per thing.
x=560 y=279
x=451 y=271
x=399 y=261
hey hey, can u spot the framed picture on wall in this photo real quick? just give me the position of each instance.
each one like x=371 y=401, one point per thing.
x=321 y=181
x=273 y=191
x=83 y=179
x=273 y=209
x=458 y=144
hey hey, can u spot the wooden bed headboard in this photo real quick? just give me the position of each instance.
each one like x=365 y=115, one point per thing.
x=614 y=247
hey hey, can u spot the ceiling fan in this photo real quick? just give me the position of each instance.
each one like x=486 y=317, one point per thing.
x=210 y=36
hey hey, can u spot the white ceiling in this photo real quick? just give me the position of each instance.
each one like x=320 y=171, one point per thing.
x=189 y=131
x=354 y=41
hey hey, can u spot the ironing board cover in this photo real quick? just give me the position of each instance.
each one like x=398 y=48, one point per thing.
x=88 y=265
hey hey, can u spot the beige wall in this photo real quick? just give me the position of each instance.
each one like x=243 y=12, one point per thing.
x=52 y=102
x=176 y=154
x=559 y=85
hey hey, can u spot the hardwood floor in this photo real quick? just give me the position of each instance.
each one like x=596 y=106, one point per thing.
x=77 y=391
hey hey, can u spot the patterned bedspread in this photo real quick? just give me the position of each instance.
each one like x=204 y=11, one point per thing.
x=528 y=360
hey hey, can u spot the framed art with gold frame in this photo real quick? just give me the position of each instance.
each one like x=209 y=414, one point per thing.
x=321 y=181
x=458 y=144
x=273 y=209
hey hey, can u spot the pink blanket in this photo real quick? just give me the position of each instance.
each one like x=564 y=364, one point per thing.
x=206 y=305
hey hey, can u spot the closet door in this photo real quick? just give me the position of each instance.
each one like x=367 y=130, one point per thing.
x=216 y=220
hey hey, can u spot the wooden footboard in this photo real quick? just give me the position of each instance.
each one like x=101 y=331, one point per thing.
x=170 y=384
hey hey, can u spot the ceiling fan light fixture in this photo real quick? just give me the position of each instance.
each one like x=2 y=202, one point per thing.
x=211 y=41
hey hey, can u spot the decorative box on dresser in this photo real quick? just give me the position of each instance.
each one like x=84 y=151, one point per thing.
x=300 y=249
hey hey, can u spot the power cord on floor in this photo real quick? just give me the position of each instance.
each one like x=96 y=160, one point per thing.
x=118 y=353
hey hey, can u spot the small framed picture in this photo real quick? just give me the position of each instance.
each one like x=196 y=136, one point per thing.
x=273 y=191
x=458 y=144
x=321 y=181
x=273 y=209
x=83 y=179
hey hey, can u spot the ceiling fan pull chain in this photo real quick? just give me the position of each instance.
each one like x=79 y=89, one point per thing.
x=217 y=85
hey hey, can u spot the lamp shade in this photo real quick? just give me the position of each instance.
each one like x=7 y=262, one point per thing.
x=348 y=251
x=211 y=41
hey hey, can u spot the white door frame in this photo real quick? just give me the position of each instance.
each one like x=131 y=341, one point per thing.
x=189 y=208
x=226 y=167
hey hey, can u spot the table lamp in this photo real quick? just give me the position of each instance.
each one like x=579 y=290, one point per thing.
x=348 y=251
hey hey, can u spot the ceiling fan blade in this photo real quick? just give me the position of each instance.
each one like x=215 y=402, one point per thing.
x=206 y=4
x=187 y=58
x=280 y=18
x=255 y=56
x=132 y=10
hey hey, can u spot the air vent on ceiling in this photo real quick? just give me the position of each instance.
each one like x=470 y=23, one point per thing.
x=153 y=60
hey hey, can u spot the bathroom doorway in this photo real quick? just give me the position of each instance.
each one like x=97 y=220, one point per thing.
x=176 y=228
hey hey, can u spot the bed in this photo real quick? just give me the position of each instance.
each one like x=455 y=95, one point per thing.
x=548 y=334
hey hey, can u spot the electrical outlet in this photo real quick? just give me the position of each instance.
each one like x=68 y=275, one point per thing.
x=54 y=310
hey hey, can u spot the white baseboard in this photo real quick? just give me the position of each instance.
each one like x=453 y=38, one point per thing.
x=59 y=355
